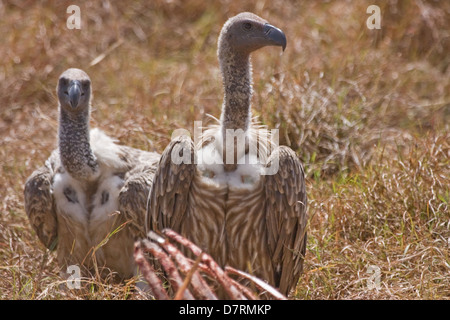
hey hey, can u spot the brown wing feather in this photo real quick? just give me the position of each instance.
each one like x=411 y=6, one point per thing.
x=286 y=217
x=133 y=197
x=168 y=198
x=40 y=204
x=138 y=181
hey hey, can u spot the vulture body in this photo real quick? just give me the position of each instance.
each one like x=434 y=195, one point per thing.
x=242 y=212
x=89 y=200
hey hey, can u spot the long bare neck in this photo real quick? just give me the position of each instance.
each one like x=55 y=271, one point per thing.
x=237 y=82
x=74 y=146
x=236 y=111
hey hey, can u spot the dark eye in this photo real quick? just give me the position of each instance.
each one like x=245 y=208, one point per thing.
x=247 y=26
x=66 y=93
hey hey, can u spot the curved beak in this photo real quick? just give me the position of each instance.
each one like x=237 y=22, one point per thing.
x=275 y=35
x=74 y=93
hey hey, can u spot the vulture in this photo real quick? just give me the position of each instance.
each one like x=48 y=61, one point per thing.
x=223 y=192
x=88 y=201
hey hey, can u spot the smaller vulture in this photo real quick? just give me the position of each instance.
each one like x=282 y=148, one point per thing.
x=89 y=199
x=225 y=195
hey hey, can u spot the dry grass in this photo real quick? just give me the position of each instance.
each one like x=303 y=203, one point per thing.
x=367 y=110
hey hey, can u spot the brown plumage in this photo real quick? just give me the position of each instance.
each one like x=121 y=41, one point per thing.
x=241 y=214
x=88 y=189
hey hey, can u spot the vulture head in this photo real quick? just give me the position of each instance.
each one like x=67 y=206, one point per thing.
x=247 y=32
x=74 y=90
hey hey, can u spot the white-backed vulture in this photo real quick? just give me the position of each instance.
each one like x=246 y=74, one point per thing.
x=89 y=187
x=238 y=212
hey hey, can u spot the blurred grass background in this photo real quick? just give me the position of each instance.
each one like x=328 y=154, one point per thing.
x=366 y=110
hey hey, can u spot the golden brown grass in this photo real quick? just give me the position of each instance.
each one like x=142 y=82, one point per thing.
x=367 y=111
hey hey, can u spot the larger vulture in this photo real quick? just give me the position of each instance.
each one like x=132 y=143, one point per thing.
x=242 y=212
x=89 y=199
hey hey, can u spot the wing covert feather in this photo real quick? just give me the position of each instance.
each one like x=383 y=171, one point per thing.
x=40 y=203
x=137 y=184
x=133 y=197
x=169 y=195
x=286 y=217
